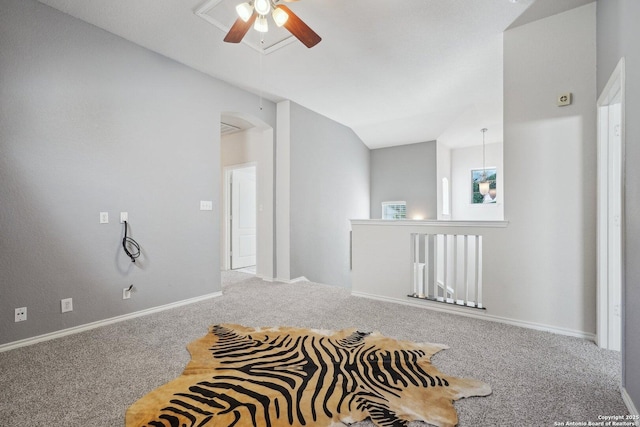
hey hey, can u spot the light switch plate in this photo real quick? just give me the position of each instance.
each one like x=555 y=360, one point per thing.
x=66 y=305
x=206 y=205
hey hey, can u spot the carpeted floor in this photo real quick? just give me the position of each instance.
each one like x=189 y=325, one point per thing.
x=91 y=378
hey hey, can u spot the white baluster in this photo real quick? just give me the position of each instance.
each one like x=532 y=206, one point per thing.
x=416 y=259
x=454 y=286
x=465 y=266
x=435 y=267
x=445 y=265
x=425 y=268
x=479 y=272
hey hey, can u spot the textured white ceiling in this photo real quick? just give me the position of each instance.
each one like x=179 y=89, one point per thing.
x=396 y=72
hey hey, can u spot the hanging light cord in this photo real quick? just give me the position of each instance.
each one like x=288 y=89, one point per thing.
x=261 y=53
x=484 y=169
x=128 y=241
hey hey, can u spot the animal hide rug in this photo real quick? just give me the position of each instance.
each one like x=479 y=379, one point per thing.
x=240 y=376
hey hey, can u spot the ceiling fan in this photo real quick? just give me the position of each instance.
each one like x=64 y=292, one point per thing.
x=254 y=13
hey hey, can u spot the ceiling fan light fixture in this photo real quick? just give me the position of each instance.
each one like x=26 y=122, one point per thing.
x=261 y=25
x=263 y=7
x=256 y=11
x=244 y=10
x=279 y=16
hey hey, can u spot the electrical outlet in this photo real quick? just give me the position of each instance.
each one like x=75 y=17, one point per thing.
x=104 y=217
x=66 y=305
x=126 y=293
x=206 y=205
x=21 y=314
x=124 y=216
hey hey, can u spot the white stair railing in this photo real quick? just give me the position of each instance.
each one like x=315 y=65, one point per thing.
x=447 y=268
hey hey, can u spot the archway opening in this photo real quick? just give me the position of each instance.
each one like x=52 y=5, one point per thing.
x=247 y=144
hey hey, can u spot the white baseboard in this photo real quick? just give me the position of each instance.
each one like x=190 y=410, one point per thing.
x=477 y=314
x=81 y=328
x=629 y=403
x=297 y=279
x=265 y=278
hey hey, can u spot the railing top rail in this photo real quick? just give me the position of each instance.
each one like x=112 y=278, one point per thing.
x=429 y=223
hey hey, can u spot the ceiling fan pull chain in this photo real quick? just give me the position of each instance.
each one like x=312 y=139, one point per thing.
x=261 y=53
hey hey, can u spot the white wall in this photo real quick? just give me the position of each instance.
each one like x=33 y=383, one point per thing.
x=253 y=145
x=463 y=160
x=443 y=156
x=548 y=252
x=539 y=271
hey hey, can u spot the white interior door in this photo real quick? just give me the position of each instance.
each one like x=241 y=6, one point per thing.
x=243 y=217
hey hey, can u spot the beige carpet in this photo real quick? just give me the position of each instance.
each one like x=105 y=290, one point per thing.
x=91 y=378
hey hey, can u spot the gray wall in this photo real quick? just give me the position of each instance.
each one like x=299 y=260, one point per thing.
x=329 y=185
x=90 y=122
x=618 y=36
x=408 y=173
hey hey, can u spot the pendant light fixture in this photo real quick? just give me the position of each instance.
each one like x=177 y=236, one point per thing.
x=484 y=184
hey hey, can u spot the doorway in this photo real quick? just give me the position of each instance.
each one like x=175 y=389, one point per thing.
x=247 y=141
x=240 y=189
x=610 y=210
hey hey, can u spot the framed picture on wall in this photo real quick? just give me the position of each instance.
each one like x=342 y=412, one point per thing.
x=476 y=177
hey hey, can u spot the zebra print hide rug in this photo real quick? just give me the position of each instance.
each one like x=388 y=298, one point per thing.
x=241 y=376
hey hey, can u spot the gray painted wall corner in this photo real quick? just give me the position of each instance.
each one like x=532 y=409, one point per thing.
x=405 y=173
x=329 y=185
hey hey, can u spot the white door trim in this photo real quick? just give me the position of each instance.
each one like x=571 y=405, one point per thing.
x=228 y=170
x=614 y=87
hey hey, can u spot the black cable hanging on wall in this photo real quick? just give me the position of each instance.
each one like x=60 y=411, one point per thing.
x=133 y=249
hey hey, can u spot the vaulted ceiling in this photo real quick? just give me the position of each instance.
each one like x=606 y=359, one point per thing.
x=396 y=72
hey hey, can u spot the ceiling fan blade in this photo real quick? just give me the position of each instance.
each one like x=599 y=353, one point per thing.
x=239 y=29
x=298 y=28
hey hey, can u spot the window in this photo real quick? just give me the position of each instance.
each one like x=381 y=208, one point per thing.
x=476 y=177
x=445 y=196
x=394 y=210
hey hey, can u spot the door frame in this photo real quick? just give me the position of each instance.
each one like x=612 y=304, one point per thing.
x=615 y=85
x=228 y=170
